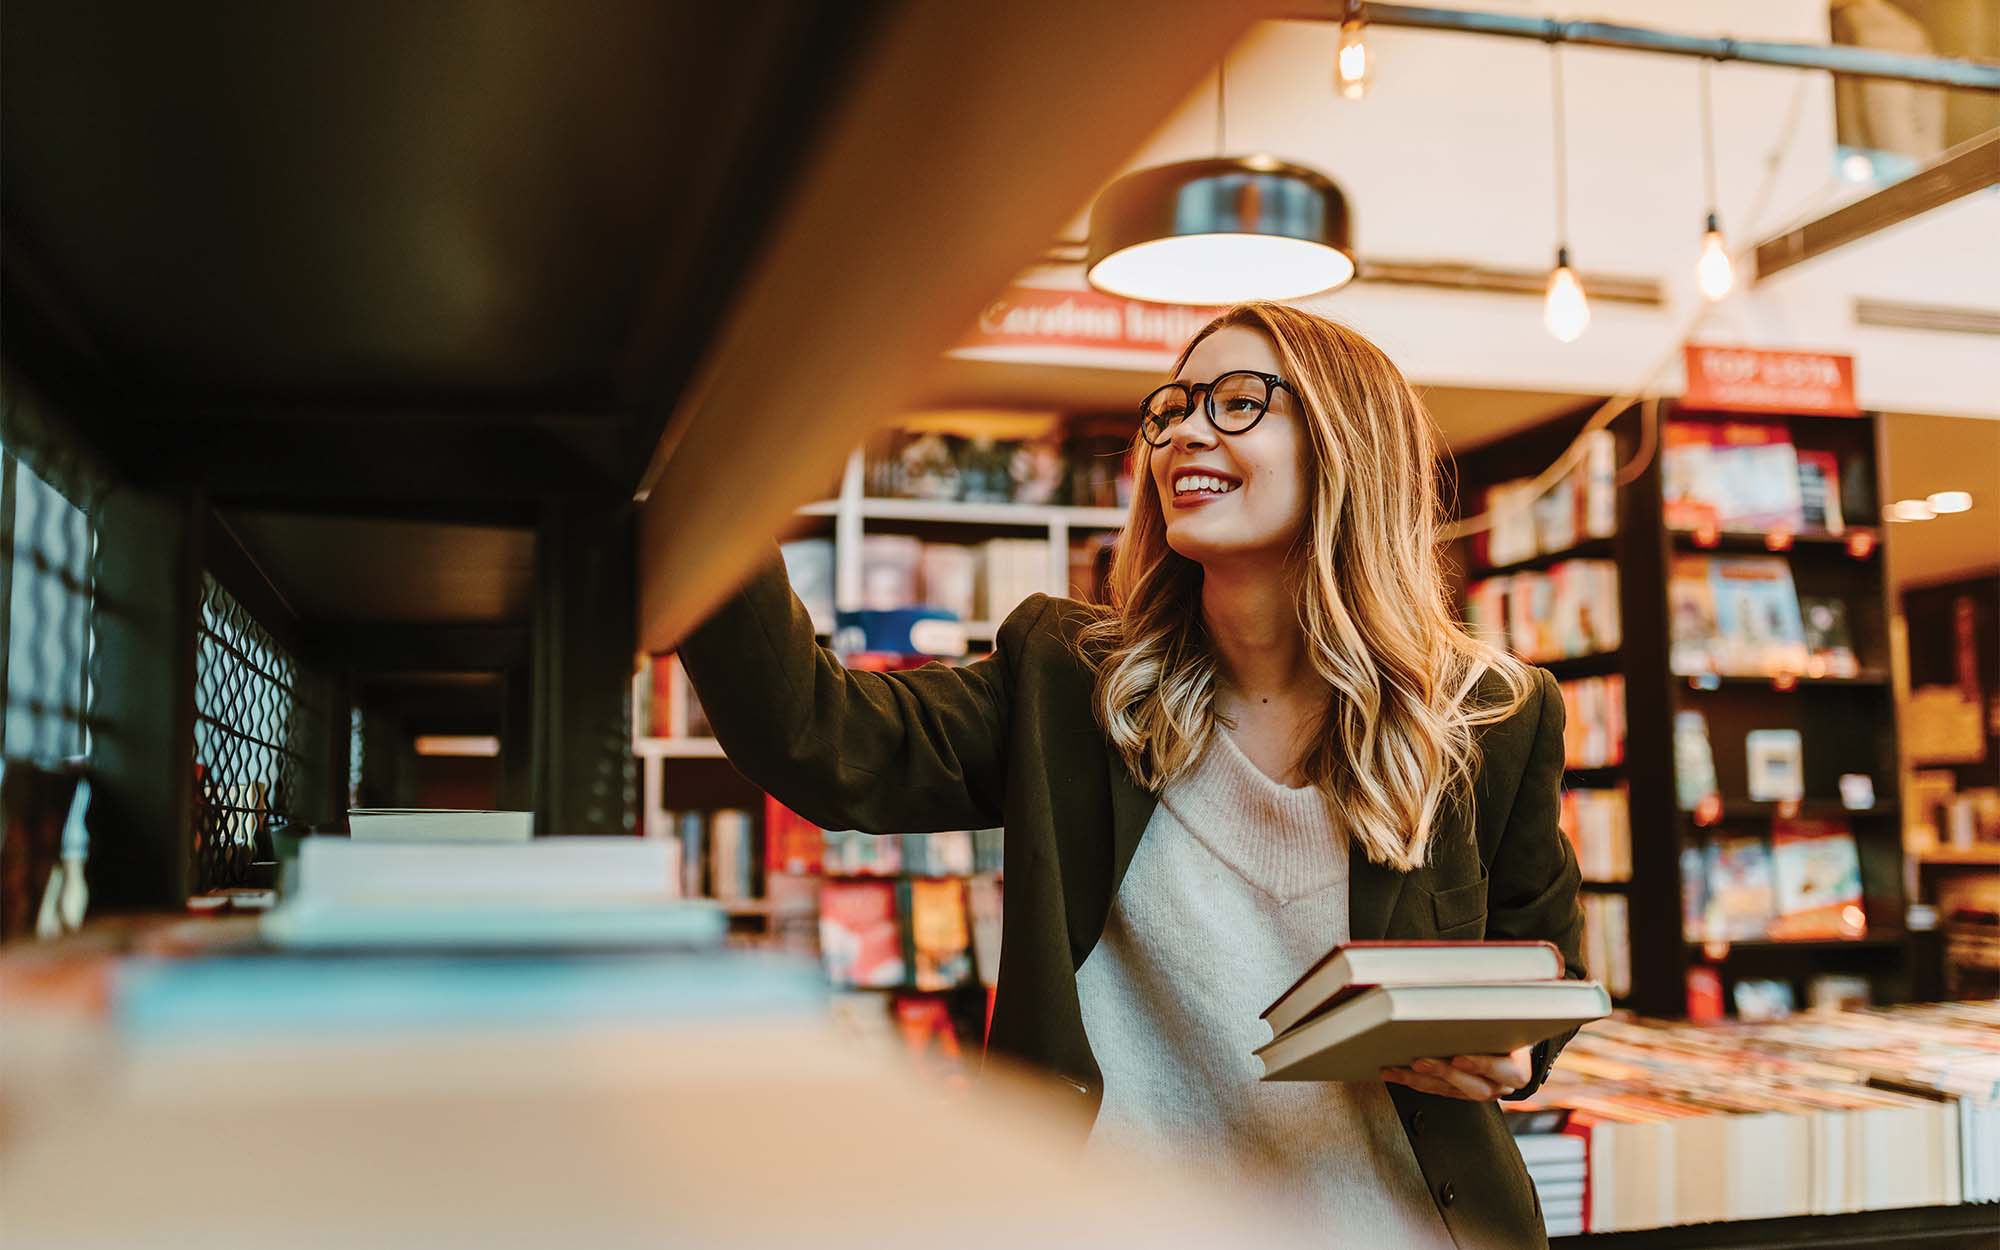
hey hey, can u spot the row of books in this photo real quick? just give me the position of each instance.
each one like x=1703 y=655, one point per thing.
x=1599 y=825
x=1815 y=1115
x=664 y=704
x=924 y=933
x=1557 y=1166
x=1594 y=722
x=1570 y=610
x=1084 y=466
x=1742 y=616
x=1804 y=883
x=1607 y=942
x=957 y=853
x=972 y=582
x=1773 y=762
x=1582 y=503
x=1747 y=476
x=1770 y=998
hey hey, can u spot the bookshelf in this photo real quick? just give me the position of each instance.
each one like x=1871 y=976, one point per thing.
x=690 y=772
x=1845 y=720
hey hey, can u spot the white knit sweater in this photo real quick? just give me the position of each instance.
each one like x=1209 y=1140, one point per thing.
x=1239 y=885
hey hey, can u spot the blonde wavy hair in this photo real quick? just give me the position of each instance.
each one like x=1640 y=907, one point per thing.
x=1395 y=745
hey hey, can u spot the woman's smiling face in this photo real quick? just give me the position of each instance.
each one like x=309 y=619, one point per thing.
x=1233 y=496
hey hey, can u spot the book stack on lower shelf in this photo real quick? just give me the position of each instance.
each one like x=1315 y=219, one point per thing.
x=1852 y=1111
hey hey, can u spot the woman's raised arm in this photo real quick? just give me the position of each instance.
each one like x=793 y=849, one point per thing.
x=904 y=752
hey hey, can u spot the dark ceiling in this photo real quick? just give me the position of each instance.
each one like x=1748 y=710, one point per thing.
x=390 y=253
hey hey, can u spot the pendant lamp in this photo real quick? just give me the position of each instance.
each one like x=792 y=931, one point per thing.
x=1219 y=230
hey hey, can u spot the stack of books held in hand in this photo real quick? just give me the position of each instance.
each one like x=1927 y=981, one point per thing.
x=1373 y=1005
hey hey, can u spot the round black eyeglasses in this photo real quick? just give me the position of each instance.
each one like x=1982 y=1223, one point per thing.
x=1234 y=402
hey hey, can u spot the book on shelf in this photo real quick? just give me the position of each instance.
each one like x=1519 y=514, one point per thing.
x=735 y=870
x=1593 y=721
x=861 y=943
x=1360 y=964
x=809 y=565
x=1087 y=464
x=939 y=931
x=890 y=571
x=1735 y=616
x=1598 y=823
x=851 y=853
x=950 y=574
x=413 y=824
x=1740 y=893
x=1829 y=644
x=691 y=830
x=1819 y=492
x=664 y=704
x=1694 y=761
x=1839 y=991
x=1775 y=763
x=1581 y=504
x=1747 y=476
x=1816 y=880
x=1014 y=568
x=1570 y=609
x=1607 y=941
x=1762 y=998
x=792 y=844
x=944 y=854
x=984 y=904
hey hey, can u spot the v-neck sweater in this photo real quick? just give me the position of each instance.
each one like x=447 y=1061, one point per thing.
x=1239 y=883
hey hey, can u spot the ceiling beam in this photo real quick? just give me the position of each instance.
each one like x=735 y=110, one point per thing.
x=1971 y=166
x=418 y=648
x=968 y=136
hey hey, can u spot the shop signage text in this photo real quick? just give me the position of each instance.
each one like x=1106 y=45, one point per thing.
x=1748 y=379
x=1045 y=317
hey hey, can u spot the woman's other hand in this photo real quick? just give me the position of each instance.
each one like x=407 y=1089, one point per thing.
x=1475 y=1078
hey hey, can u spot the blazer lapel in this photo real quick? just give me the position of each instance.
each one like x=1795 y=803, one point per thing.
x=1131 y=809
x=1372 y=891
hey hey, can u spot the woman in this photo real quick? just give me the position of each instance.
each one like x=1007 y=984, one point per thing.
x=1275 y=740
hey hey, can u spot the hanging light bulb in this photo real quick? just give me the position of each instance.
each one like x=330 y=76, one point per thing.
x=1713 y=272
x=1566 y=312
x=1353 y=65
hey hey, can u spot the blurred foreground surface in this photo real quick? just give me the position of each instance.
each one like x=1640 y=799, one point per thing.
x=174 y=1085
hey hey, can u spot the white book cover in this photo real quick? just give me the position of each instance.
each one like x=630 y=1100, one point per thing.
x=543 y=867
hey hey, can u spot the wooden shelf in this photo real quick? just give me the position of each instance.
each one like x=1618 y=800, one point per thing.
x=1741 y=542
x=1746 y=809
x=1602 y=664
x=952 y=512
x=1978 y=855
x=1588 y=549
x=1875 y=940
x=678 y=749
x=1700 y=682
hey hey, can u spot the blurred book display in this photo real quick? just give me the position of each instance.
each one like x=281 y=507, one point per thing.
x=409 y=824
x=1569 y=610
x=1581 y=504
x=545 y=893
x=1816 y=1114
x=1420 y=1000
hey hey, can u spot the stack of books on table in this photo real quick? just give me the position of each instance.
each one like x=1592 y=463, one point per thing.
x=1371 y=1005
x=451 y=893
x=1870 y=1110
x=1555 y=1163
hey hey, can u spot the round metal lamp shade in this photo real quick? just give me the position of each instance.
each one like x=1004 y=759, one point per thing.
x=1219 y=231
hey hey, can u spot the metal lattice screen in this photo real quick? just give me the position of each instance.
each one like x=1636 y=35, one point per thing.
x=247 y=718
x=47 y=550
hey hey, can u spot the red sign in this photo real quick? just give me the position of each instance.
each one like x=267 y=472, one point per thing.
x=1746 y=379
x=1028 y=316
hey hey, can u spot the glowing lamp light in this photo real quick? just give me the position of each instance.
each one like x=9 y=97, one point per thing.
x=1219 y=231
x=1566 y=310
x=1911 y=510
x=1714 y=273
x=1353 y=66
x=473 y=746
x=1853 y=921
x=1949 y=501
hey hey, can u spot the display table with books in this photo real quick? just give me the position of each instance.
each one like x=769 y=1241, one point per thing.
x=1881 y=1124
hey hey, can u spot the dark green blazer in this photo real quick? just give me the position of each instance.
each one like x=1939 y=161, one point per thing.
x=1011 y=741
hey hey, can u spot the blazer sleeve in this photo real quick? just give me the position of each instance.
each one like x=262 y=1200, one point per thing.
x=1533 y=892
x=903 y=752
